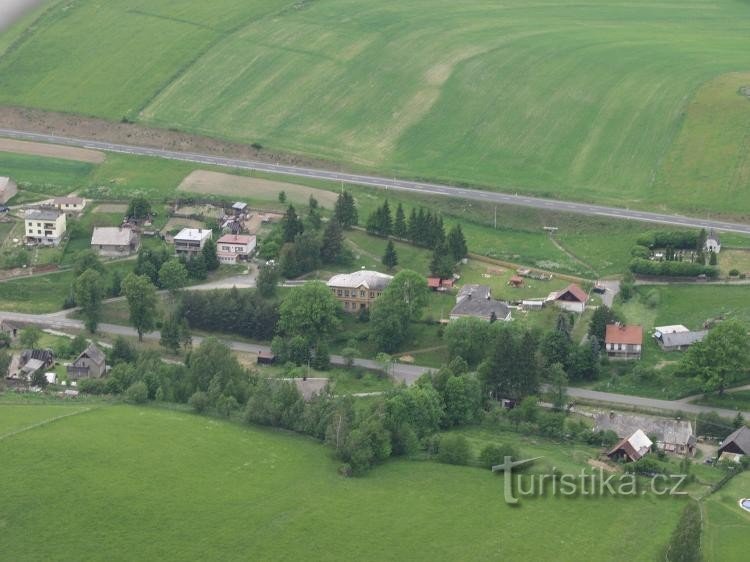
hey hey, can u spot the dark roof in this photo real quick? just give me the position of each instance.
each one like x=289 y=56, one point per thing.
x=43 y=355
x=741 y=438
x=480 y=307
x=679 y=339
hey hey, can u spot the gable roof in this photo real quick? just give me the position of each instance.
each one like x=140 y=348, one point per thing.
x=68 y=200
x=677 y=432
x=481 y=307
x=92 y=352
x=678 y=339
x=243 y=239
x=740 y=437
x=473 y=291
x=622 y=334
x=635 y=446
x=572 y=290
x=111 y=236
x=369 y=279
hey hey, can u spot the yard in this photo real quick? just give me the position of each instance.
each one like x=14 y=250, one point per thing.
x=725 y=535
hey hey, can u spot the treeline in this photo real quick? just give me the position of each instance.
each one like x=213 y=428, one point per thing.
x=677 y=239
x=245 y=313
x=672 y=268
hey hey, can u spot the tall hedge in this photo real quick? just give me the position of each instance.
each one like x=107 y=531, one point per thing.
x=672 y=268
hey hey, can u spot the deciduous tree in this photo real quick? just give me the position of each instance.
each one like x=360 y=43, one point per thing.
x=89 y=292
x=141 y=297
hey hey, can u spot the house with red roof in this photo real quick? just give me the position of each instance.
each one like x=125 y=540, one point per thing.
x=233 y=247
x=571 y=298
x=623 y=342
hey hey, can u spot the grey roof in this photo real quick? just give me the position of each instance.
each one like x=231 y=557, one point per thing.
x=741 y=437
x=93 y=353
x=193 y=234
x=240 y=206
x=480 y=307
x=678 y=339
x=42 y=214
x=111 y=236
x=32 y=366
x=675 y=432
x=369 y=279
x=475 y=291
x=68 y=200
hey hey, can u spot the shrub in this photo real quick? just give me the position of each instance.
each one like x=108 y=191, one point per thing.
x=454 y=449
x=495 y=454
x=199 y=401
x=653 y=298
x=639 y=251
x=93 y=386
x=734 y=272
x=137 y=393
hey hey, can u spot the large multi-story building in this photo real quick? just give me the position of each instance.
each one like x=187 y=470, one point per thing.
x=358 y=290
x=45 y=226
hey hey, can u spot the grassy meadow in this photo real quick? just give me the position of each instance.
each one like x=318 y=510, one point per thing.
x=725 y=534
x=154 y=483
x=634 y=104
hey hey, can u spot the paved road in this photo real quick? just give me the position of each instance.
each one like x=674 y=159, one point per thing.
x=486 y=197
x=407 y=374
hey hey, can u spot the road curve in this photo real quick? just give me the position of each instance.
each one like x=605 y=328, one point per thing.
x=408 y=374
x=487 y=197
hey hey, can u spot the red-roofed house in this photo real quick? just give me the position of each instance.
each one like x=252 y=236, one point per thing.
x=438 y=284
x=571 y=298
x=623 y=342
x=233 y=247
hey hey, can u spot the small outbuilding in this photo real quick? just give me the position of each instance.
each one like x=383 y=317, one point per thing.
x=516 y=281
x=631 y=448
x=736 y=443
x=266 y=358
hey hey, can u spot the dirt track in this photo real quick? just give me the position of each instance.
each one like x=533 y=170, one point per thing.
x=52 y=151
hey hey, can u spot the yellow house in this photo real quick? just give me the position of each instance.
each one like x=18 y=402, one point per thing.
x=45 y=226
x=358 y=290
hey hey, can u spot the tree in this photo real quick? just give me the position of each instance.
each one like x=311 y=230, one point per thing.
x=310 y=311
x=39 y=379
x=78 y=344
x=627 y=286
x=199 y=401
x=139 y=207
x=141 y=297
x=88 y=260
x=441 y=264
x=493 y=455
x=720 y=358
x=267 y=281
x=122 y=352
x=390 y=258
x=559 y=386
x=282 y=196
x=463 y=400
x=173 y=276
x=313 y=219
x=457 y=243
x=712 y=259
x=196 y=266
x=89 y=292
x=5 y=360
x=291 y=225
x=115 y=287
x=30 y=336
x=402 y=302
x=345 y=210
x=209 y=255
x=137 y=393
x=602 y=316
x=170 y=334
x=467 y=337
x=510 y=370
x=738 y=422
x=454 y=449
x=585 y=361
x=399 y=223
x=333 y=242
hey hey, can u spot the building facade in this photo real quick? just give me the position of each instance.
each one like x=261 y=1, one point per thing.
x=190 y=241
x=69 y=205
x=623 y=342
x=357 y=291
x=44 y=226
x=113 y=241
x=231 y=248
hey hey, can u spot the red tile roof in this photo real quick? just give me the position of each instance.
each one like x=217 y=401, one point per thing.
x=579 y=294
x=433 y=282
x=619 y=333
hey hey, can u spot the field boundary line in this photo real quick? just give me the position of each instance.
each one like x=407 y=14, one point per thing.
x=45 y=422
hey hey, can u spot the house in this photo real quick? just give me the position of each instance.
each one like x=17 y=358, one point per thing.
x=476 y=301
x=10 y=328
x=439 y=284
x=736 y=443
x=29 y=362
x=623 y=342
x=516 y=281
x=190 y=241
x=114 y=241
x=358 y=290
x=678 y=340
x=571 y=298
x=91 y=363
x=8 y=189
x=45 y=226
x=233 y=247
x=69 y=205
x=631 y=448
x=672 y=436
x=713 y=243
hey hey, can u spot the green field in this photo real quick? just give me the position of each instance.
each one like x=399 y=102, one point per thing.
x=725 y=535
x=627 y=103
x=144 y=483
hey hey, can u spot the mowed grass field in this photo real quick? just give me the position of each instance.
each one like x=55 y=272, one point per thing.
x=726 y=524
x=145 y=483
x=633 y=103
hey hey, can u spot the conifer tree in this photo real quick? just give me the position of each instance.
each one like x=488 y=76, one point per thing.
x=399 y=223
x=390 y=258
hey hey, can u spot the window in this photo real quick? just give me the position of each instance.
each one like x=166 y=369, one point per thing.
x=372 y=295
x=339 y=292
x=346 y=292
x=362 y=294
x=346 y=304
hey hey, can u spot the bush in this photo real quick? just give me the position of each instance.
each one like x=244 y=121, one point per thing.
x=672 y=268
x=93 y=386
x=454 y=449
x=137 y=393
x=685 y=544
x=639 y=251
x=645 y=465
x=653 y=298
x=734 y=272
x=495 y=454
x=199 y=401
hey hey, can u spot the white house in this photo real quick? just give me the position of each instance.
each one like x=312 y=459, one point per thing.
x=571 y=298
x=69 y=205
x=713 y=243
x=233 y=247
x=113 y=241
x=44 y=226
x=8 y=189
x=190 y=241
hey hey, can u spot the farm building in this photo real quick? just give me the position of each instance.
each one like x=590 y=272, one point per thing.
x=91 y=363
x=69 y=205
x=571 y=298
x=623 y=342
x=672 y=436
x=358 y=290
x=713 y=242
x=239 y=208
x=266 y=358
x=8 y=189
x=677 y=340
x=631 y=448
x=439 y=284
x=476 y=301
x=12 y=329
x=45 y=226
x=736 y=443
x=190 y=241
x=516 y=281
x=233 y=247
x=113 y=241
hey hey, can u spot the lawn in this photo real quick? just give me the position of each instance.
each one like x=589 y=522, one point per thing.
x=49 y=176
x=739 y=400
x=142 y=480
x=725 y=535
x=541 y=99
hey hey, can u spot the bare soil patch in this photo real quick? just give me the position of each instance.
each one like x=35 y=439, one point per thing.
x=52 y=151
x=217 y=183
x=603 y=465
x=112 y=208
x=176 y=222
